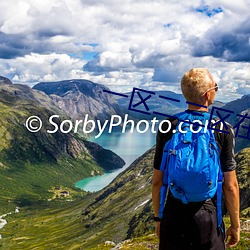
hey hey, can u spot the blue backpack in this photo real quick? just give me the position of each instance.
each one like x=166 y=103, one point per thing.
x=191 y=163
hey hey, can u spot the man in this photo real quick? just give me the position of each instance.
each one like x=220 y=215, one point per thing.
x=194 y=225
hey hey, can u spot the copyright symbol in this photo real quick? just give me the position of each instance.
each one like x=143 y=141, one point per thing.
x=33 y=124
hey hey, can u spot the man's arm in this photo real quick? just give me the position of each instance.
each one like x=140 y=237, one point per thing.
x=156 y=187
x=231 y=195
x=157 y=179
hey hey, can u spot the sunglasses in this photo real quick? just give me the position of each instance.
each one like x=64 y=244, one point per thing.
x=216 y=87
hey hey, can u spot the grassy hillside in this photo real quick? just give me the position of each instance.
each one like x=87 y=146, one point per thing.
x=243 y=175
x=84 y=222
x=51 y=225
x=31 y=164
x=121 y=211
x=150 y=242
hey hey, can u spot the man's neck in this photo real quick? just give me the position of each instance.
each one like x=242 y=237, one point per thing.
x=197 y=108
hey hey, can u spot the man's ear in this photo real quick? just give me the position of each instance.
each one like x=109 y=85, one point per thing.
x=207 y=95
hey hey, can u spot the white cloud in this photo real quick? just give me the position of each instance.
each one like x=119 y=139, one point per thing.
x=35 y=68
x=140 y=43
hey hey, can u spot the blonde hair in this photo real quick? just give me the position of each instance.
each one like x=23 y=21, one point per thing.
x=195 y=83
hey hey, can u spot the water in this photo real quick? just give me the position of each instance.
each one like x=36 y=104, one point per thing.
x=128 y=146
x=3 y=222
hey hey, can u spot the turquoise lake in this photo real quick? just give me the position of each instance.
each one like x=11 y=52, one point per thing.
x=129 y=146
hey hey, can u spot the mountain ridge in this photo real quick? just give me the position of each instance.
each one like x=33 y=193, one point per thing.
x=80 y=97
x=4 y=80
x=241 y=107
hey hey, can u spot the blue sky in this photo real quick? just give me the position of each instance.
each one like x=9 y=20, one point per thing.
x=125 y=44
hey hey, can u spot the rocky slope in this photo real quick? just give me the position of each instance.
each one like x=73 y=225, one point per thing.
x=240 y=107
x=123 y=210
x=31 y=163
x=122 y=204
x=243 y=175
x=237 y=106
x=243 y=142
x=80 y=97
x=126 y=206
x=4 y=80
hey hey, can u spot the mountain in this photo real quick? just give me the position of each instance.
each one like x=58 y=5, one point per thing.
x=121 y=211
x=217 y=104
x=124 y=208
x=38 y=166
x=155 y=103
x=239 y=107
x=159 y=102
x=31 y=164
x=4 y=80
x=242 y=143
x=106 y=215
x=80 y=97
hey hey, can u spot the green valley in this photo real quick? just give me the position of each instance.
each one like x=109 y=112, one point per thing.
x=32 y=163
x=120 y=213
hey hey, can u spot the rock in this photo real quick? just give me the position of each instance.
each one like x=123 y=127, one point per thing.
x=80 y=97
x=2 y=223
x=109 y=243
x=4 y=80
x=106 y=158
x=245 y=225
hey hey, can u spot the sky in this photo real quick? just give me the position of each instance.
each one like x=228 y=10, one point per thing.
x=147 y=44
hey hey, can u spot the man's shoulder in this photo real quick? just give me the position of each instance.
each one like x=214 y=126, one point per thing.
x=223 y=128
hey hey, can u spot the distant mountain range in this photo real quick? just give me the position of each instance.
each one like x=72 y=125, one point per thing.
x=80 y=97
x=159 y=104
x=32 y=163
x=240 y=107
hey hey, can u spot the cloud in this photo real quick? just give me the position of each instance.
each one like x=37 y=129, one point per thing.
x=231 y=45
x=122 y=43
x=34 y=68
x=12 y=45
